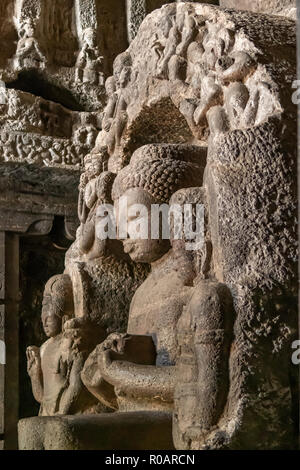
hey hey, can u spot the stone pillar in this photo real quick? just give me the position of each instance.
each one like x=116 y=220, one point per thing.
x=136 y=12
x=9 y=333
x=86 y=15
x=28 y=9
x=2 y=363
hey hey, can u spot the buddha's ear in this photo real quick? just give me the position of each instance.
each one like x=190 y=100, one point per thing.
x=64 y=319
x=206 y=255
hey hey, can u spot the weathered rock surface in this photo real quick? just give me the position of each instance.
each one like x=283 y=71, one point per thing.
x=199 y=109
x=286 y=8
x=135 y=431
x=213 y=75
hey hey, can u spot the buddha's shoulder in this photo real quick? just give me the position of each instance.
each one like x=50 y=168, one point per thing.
x=50 y=344
x=211 y=290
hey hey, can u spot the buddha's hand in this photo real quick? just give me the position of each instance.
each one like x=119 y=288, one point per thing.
x=107 y=125
x=110 y=350
x=194 y=435
x=115 y=342
x=81 y=334
x=136 y=349
x=33 y=360
x=76 y=333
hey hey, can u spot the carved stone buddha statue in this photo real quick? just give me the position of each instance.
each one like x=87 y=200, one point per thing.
x=135 y=371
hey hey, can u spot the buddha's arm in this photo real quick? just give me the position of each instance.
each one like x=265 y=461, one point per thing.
x=145 y=380
x=87 y=235
x=37 y=386
x=109 y=110
x=34 y=369
x=83 y=211
x=71 y=394
x=95 y=383
x=213 y=321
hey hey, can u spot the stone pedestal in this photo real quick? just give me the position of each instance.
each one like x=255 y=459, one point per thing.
x=123 y=431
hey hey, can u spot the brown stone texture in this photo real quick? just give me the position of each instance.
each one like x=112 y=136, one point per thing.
x=198 y=111
x=122 y=431
x=209 y=75
x=274 y=7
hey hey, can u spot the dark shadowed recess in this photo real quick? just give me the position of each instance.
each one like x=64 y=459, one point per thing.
x=33 y=82
x=40 y=258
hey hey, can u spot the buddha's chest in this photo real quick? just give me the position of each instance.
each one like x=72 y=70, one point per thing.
x=53 y=367
x=155 y=310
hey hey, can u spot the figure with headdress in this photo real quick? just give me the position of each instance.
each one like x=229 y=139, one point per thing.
x=29 y=51
x=89 y=65
x=136 y=370
x=54 y=368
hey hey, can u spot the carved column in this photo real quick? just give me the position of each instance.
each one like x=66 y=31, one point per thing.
x=136 y=12
x=9 y=332
x=86 y=15
x=13 y=225
x=2 y=362
x=26 y=9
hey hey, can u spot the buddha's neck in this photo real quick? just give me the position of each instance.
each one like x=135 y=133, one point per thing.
x=178 y=256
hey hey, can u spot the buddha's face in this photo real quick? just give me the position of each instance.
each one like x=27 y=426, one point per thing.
x=90 y=37
x=110 y=86
x=144 y=249
x=92 y=166
x=124 y=78
x=52 y=323
x=27 y=31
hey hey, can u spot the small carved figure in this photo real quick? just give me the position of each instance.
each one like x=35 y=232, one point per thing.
x=108 y=114
x=110 y=88
x=95 y=189
x=168 y=51
x=194 y=54
x=155 y=172
x=54 y=369
x=89 y=65
x=122 y=76
x=210 y=95
x=159 y=44
x=217 y=43
x=29 y=51
x=188 y=35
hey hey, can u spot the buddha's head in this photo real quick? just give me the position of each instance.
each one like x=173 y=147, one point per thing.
x=110 y=86
x=57 y=304
x=27 y=29
x=125 y=76
x=96 y=163
x=90 y=37
x=153 y=175
x=97 y=192
x=121 y=68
